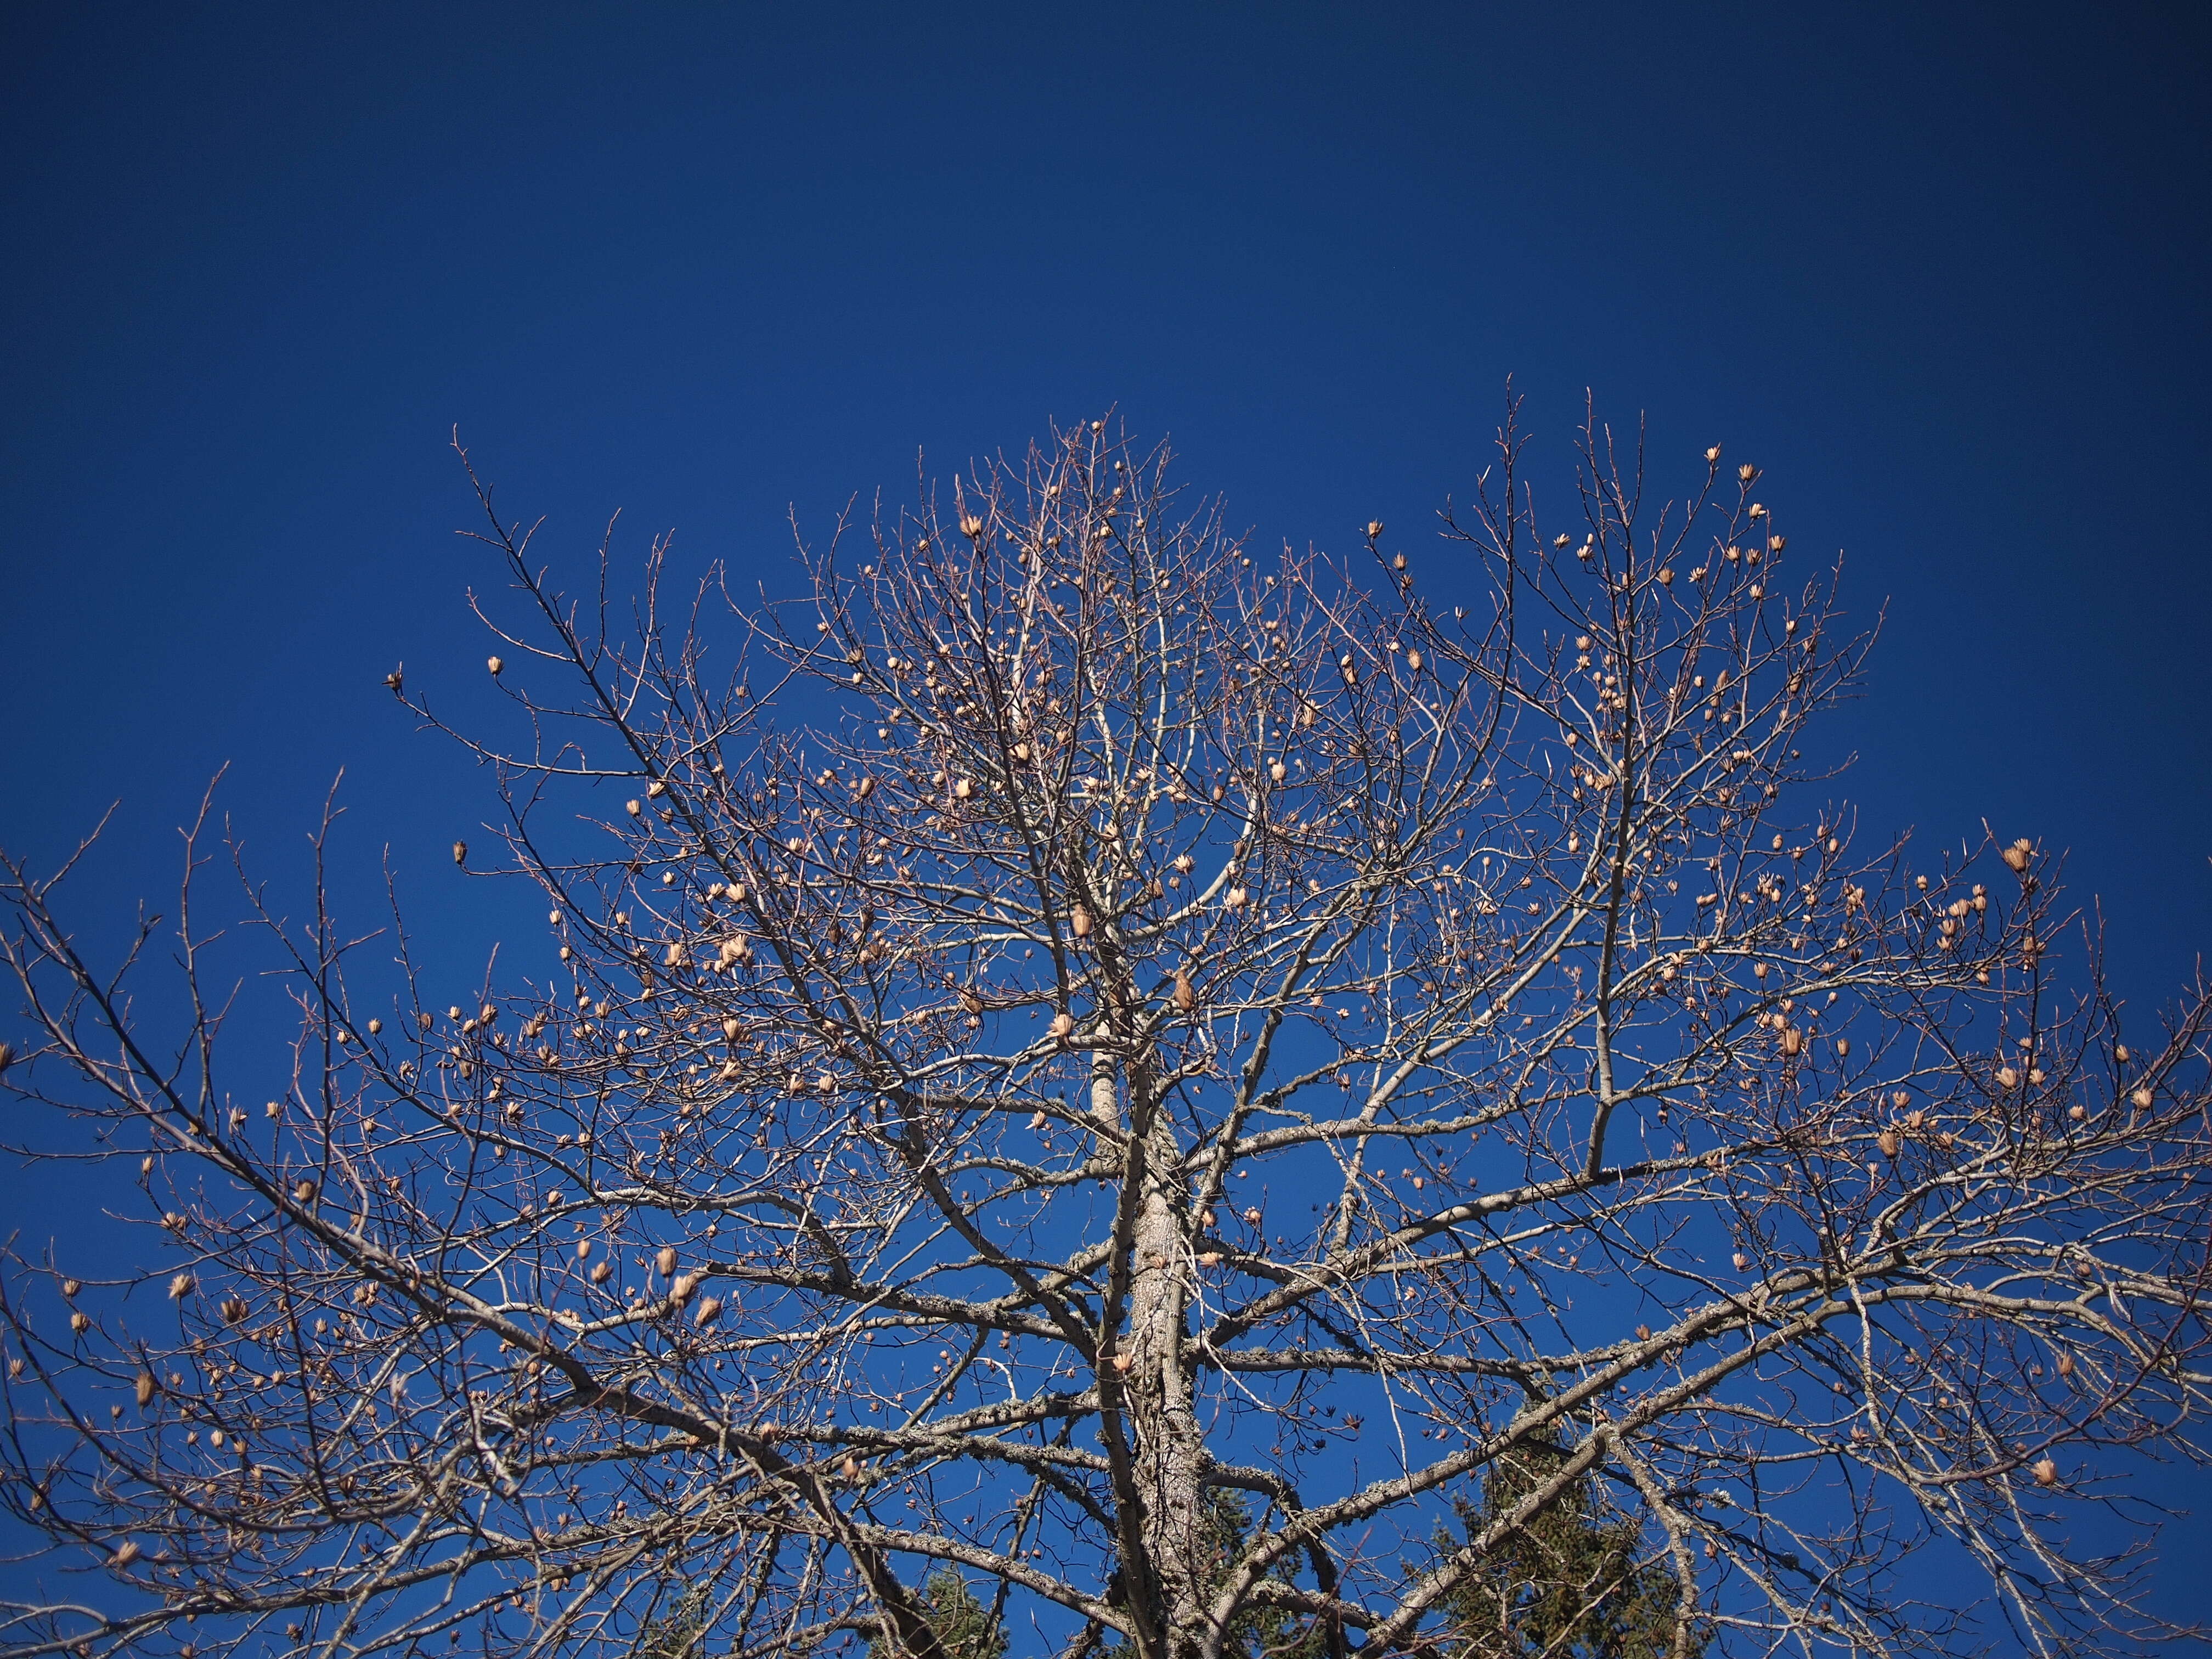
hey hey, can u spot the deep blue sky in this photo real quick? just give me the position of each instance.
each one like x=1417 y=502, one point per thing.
x=1938 y=271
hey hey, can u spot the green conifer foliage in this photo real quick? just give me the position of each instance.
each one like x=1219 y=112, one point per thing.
x=1569 y=1586
x=965 y=1627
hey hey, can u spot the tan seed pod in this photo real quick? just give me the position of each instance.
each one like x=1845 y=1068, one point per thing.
x=145 y=1389
x=2007 y=1077
x=180 y=1287
x=1278 y=771
x=1037 y=1120
x=1185 y=864
x=2046 y=1473
x=666 y=1261
x=1888 y=1142
x=1234 y=899
x=851 y=1467
x=494 y=665
x=1079 y=921
x=2065 y=1365
x=2015 y=858
x=1252 y=1218
x=583 y=1250
x=1122 y=1362
x=303 y=1192
x=1741 y=1260
x=80 y=1322
x=1185 y=997
x=710 y=1310
x=1793 y=1041
x=2142 y=1098
x=602 y=1272
x=125 y=1554
x=1374 y=528
x=1062 y=1025
x=731 y=1029
x=460 y=851
x=1843 y=1048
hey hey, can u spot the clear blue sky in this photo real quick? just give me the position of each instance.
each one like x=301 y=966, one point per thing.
x=1939 y=270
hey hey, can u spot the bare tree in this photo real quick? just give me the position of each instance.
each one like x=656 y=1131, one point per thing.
x=1165 y=1099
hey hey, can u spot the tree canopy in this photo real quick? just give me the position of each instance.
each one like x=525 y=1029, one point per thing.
x=1087 y=1087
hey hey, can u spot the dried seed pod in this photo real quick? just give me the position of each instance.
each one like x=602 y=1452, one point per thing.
x=1079 y=921
x=1063 y=1024
x=1843 y=1048
x=2065 y=1365
x=2007 y=1077
x=460 y=851
x=2142 y=1099
x=1122 y=1362
x=710 y=1310
x=1185 y=997
x=1741 y=1260
x=1793 y=1041
x=666 y=1261
x=1889 y=1143
x=851 y=1467
x=2046 y=1473
x=1185 y=864
x=602 y=1272
x=125 y=1555
x=145 y=1389
x=234 y=1310
x=494 y=665
x=303 y=1192
x=1278 y=771
x=2016 y=857
x=180 y=1287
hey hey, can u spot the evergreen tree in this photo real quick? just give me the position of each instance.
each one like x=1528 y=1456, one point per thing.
x=1259 y=1630
x=965 y=1627
x=676 y=1634
x=1566 y=1586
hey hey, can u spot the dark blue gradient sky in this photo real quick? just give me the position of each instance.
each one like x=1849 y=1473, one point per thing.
x=1938 y=271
